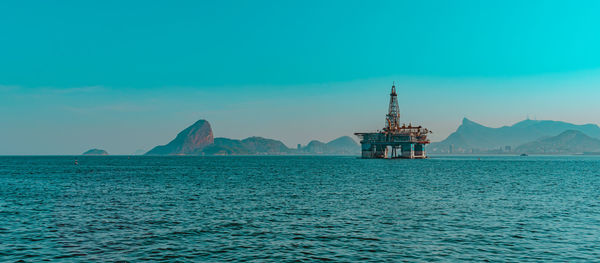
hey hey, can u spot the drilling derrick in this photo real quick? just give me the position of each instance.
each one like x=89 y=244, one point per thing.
x=394 y=141
x=392 y=122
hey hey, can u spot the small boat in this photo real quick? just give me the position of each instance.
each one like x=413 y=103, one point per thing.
x=524 y=154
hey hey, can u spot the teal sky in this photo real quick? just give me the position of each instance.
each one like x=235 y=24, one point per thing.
x=128 y=75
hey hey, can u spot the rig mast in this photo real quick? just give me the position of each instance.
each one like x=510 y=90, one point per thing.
x=392 y=120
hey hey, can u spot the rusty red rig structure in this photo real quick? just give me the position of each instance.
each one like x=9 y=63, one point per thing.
x=394 y=141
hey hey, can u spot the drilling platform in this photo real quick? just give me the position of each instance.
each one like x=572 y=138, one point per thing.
x=394 y=141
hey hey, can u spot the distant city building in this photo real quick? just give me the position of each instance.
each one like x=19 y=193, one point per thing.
x=507 y=148
x=451 y=148
x=299 y=146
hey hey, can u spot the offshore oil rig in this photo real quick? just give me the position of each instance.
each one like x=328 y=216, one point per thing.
x=394 y=141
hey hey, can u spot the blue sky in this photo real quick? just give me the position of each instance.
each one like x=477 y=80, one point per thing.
x=129 y=75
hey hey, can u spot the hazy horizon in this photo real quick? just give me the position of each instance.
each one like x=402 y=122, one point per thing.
x=130 y=76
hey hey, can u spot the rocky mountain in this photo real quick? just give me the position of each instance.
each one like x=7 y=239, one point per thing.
x=344 y=145
x=258 y=145
x=341 y=146
x=251 y=145
x=95 y=152
x=190 y=141
x=314 y=147
x=225 y=146
x=198 y=140
x=473 y=137
x=568 y=142
x=265 y=146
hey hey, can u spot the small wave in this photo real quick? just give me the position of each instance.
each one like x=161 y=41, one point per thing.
x=366 y=238
x=71 y=255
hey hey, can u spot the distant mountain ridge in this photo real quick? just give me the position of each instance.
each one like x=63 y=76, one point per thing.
x=342 y=145
x=198 y=140
x=251 y=145
x=568 y=142
x=95 y=152
x=474 y=137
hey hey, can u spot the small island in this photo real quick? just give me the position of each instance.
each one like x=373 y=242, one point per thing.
x=95 y=152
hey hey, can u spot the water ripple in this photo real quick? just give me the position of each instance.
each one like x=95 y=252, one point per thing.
x=284 y=209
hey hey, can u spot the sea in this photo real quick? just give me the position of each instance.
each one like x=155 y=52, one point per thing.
x=299 y=209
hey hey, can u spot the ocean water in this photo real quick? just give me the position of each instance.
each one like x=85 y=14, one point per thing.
x=285 y=208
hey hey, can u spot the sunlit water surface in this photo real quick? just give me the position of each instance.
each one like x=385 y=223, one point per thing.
x=299 y=208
